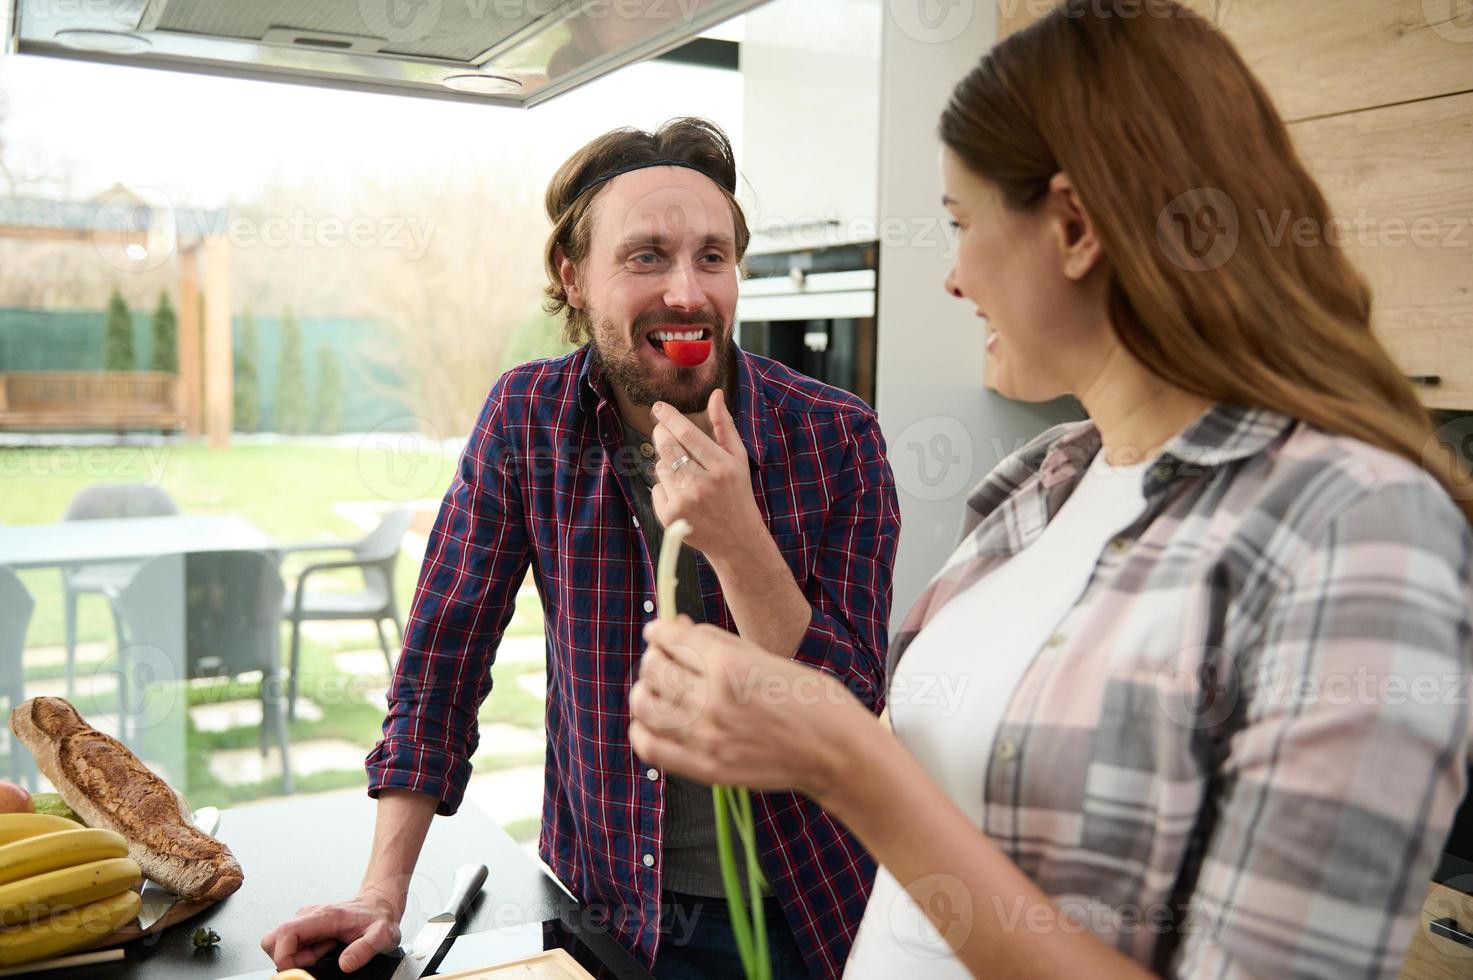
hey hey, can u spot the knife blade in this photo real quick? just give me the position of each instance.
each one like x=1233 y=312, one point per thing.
x=467 y=885
x=155 y=899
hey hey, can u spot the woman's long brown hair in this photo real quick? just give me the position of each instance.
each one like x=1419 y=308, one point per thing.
x=1193 y=188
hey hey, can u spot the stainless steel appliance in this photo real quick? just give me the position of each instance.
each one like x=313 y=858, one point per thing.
x=814 y=310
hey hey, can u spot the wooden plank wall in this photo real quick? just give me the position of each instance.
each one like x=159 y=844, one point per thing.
x=1378 y=95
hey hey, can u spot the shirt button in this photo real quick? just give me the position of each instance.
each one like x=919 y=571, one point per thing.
x=1007 y=749
x=652 y=774
x=649 y=860
x=636 y=522
x=1119 y=546
x=649 y=606
x=1057 y=640
x=646 y=450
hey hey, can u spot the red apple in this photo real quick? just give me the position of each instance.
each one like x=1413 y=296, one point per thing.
x=14 y=798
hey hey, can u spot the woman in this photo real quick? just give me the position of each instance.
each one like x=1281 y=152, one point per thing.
x=1208 y=646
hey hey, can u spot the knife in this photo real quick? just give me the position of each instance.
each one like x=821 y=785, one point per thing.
x=156 y=900
x=468 y=881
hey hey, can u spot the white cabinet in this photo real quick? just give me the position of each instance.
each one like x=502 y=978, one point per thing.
x=809 y=153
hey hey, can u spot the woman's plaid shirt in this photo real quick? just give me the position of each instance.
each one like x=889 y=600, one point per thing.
x=1241 y=752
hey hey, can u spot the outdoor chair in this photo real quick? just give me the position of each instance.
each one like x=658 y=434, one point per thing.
x=375 y=555
x=105 y=501
x=16 y=605
x=231 y=613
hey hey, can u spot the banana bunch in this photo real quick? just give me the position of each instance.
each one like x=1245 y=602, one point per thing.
x=62 y=886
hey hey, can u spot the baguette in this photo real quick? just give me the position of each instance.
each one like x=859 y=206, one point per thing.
x=108 y=786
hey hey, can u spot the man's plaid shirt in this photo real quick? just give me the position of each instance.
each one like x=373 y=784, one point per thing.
x=543 y=483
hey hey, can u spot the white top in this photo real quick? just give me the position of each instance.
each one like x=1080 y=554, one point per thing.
x=953 y=685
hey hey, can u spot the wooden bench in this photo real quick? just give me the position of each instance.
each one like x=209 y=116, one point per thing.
x=115 y=401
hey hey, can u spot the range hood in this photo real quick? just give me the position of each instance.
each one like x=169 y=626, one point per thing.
x=501 y=52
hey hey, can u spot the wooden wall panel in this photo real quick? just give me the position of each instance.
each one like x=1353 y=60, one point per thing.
x=1402 y=177
x=1322 y=58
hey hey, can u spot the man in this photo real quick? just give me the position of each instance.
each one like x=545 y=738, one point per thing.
x=575 y=466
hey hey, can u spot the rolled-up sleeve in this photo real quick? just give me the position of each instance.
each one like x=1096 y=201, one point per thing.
x=850 y=587
x=1342 y=776
x=474 y=564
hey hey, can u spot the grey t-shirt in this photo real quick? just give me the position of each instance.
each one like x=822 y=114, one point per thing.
x=691 y=863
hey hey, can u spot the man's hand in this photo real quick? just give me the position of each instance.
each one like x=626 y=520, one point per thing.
x=713 y=489
x=368 y=923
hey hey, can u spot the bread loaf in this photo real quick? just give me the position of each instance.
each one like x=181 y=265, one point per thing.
x=108 y=786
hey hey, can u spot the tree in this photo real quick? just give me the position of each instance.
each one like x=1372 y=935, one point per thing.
x=117 y=342
x=291 y=381
x=247 y=385
x=327 y=415
x=165 y=336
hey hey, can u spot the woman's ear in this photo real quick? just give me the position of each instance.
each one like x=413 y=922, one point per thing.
x=568 y=273
x=1079 y=249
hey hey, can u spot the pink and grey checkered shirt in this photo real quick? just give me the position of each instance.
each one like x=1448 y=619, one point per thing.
x=1241 y=752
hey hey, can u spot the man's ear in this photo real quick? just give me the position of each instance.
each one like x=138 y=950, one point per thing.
x=1079 y=247
x=568 y=273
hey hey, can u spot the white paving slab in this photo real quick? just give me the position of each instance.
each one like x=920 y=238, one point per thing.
x=499 y=738
x=533 y=684
x=362 y=663
x=506 y=795
x=226 y=715
x=522 y=650
x=236 y=766
x=87 y=653
x=89 y=682
x=335 y=630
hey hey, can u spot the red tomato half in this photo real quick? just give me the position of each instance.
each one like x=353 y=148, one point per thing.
x=688 y=353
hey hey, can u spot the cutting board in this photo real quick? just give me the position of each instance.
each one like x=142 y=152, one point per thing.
x=182 y=910
x=552 y=964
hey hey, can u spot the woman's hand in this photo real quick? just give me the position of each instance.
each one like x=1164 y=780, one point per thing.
x=713 y=707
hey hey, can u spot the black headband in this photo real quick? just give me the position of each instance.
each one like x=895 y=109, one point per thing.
x=602 y=178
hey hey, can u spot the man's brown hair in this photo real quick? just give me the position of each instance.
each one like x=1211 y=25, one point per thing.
x=698 y=143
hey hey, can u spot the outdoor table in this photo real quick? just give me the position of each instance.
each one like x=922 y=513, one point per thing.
x=91 y=542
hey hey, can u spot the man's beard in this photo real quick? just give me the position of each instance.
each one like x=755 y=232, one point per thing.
x=623 y=368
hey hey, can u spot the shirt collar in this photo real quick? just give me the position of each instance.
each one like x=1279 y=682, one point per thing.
x=750 y=409
x=1220 y=435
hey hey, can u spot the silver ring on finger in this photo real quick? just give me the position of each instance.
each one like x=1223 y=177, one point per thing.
x=675 y=466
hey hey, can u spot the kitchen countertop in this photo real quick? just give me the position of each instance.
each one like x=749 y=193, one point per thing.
x=313 y=849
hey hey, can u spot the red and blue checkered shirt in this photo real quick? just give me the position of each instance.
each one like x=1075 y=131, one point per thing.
x=543 y=482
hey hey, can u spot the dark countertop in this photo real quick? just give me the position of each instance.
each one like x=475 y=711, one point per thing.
x=313 y=849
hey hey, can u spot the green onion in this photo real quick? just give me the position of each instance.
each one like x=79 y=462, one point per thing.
x=748 y=925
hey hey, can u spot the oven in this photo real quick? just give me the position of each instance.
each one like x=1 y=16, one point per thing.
x=814 y=310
